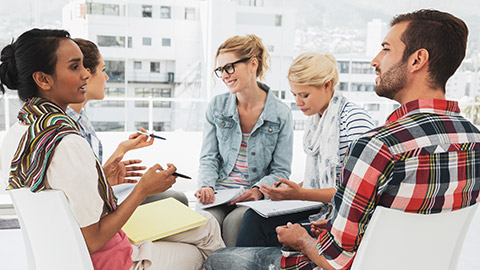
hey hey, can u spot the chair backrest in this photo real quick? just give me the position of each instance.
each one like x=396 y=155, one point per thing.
x=52 y=237
x=398 y=240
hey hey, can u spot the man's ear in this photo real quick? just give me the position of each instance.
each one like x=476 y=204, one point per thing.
x=44 y=81
x=419 y=60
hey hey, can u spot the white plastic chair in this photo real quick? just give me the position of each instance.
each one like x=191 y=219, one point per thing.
x=398 y=240
x=52 y=237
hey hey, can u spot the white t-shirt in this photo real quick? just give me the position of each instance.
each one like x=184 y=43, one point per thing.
x=71 y=170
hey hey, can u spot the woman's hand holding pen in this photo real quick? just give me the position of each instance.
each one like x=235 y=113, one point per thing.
x=135 y=141
x=282 y=190
x=156 y=180
x=205 y=195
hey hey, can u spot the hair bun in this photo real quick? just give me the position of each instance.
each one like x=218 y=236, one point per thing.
x=8 y=68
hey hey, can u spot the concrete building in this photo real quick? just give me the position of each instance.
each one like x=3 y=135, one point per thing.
x=159 y=55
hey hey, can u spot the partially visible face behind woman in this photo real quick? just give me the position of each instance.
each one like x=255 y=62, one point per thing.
x=311 y=99
x=70 y=77
x=96 y=85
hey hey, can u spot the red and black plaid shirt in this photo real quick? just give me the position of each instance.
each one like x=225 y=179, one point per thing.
x=425 y=159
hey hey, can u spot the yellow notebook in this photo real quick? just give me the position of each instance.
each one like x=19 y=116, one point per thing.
x=160 y=219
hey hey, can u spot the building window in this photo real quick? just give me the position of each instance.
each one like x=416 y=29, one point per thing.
x=111 y=41
x=362 y=68
x=115 y=92
x=130 y=42
x=153 y=93
x=157 y=126
x=343 y=66
x=279 y=94
x=103 y=9
x=252 y=3
x=165 y=12
x=137 y=65
x=189 y=13
x=107 y=104
x=278 y=20
x=146 y=11
x=115 y=70
x=270 y=48
x=343 y=86
x=166 y=42
x=147 y=41
x=108 y=126
x=155 y=67
x=294 y=107
x=363 y=87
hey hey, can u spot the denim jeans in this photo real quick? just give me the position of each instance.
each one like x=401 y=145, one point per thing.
x=244 y=258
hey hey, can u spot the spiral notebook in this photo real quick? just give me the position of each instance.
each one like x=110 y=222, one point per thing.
x=156 y=220
x=268 y=208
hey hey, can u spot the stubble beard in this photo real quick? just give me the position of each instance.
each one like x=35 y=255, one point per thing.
x=392 y=81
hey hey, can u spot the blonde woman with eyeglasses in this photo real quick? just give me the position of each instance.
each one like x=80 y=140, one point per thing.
x=248 y=133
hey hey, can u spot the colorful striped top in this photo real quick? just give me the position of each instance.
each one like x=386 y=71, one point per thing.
x=238 y=177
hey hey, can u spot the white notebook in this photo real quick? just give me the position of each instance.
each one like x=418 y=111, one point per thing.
x=268 y=208
x=221 y=197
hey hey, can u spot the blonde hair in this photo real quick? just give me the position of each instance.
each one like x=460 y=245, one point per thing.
x=313 y=69
x=248 y=46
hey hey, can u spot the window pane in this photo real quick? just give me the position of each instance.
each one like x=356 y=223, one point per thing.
x=146 y=41
x=146 y=11
x=103 y=126
x=103 y=9
x=165 y=12
x=155 y=67
x=189 y=13
x=166 y=42
x=362 y=68
x=115 y=92
x=111 y=41
x=278 y=20
x=343 y=66
x=137 y=65
x=115 y=70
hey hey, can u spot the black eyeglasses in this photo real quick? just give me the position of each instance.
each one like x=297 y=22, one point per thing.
x=229 y=68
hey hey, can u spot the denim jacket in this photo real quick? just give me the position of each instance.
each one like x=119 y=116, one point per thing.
x=269 y=146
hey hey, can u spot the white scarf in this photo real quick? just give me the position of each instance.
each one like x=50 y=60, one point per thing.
x=320 y=142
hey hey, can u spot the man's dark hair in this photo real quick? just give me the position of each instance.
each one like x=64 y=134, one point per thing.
x=443 y=35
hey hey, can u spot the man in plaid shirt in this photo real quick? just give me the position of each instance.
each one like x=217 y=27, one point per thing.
x=424 y=159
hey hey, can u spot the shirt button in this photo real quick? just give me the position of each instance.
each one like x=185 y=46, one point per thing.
x=253 y=153
x=254 y=170
x=222 y=124
x=270 y=130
